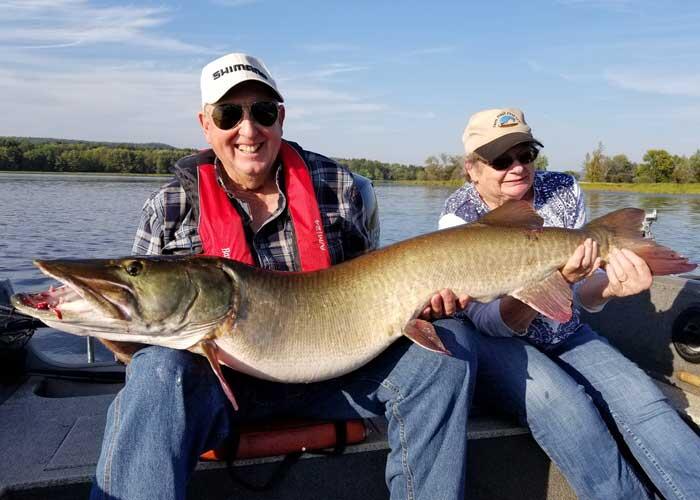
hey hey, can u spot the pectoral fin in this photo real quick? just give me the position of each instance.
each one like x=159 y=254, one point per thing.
x=210 y=349
x=551 y=297
x=123 y=351
x=423 y=333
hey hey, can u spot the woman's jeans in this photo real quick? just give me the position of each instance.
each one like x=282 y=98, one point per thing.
x=568 y=393
x=172 y=408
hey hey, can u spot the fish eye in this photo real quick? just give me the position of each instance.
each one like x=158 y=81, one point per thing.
x=134 y=268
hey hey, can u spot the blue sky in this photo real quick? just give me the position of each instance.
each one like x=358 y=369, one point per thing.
x=391 y=81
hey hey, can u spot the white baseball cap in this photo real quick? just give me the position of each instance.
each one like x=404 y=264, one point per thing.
x=224 y=73
x=492 y=132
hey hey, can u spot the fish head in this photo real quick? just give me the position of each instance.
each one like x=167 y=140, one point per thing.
x=169 y=301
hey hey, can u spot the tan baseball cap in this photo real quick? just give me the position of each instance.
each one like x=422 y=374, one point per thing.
x=492 y=132
x=224 y=73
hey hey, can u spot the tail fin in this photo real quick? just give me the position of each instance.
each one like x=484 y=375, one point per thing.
x=660 y=259
x=624 y=228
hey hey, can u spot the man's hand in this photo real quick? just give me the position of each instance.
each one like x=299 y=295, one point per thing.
x=582 y=263
x=628 y=274
x=444 y=303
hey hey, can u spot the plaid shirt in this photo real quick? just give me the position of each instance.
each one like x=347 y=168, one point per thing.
x=169 y=220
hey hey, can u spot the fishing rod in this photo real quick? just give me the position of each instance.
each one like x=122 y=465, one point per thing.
x=13 y=321
x=16 y=328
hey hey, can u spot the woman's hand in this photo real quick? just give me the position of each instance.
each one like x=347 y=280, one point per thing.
x=444 y=303
x=628 y=274
x=583 y=262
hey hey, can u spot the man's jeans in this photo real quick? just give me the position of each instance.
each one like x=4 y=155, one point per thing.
x=567 y=394
x=172 y=408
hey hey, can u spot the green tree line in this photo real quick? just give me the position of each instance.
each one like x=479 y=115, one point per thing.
x=51 y=155
x=442 y=167
x=378 y=170
x=18 y=154
x=658 y=165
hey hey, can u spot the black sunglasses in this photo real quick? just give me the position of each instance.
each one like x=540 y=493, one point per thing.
x=504 y=161
x=226 y=116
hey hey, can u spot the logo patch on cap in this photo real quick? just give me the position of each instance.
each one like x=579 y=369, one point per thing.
x=506 y=119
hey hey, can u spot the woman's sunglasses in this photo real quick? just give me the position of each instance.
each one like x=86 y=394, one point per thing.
x=504 y=161
x=226 y=116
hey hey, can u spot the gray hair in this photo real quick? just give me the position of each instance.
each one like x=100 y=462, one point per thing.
x=472 y=158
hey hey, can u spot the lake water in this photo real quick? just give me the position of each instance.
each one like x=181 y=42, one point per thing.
x=62 y=216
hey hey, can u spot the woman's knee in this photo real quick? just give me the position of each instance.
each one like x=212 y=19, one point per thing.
x=551 y=393
x=639 y=401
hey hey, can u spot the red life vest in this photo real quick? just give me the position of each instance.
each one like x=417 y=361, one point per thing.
x=221 y=227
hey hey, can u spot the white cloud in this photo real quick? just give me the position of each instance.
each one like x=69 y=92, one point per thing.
x=416 y=115
x=370 y=129
x=317 y=48
x=321 y=73
x=337 y=68
x=234 y=3
x=656 y=81
x=42 y=24
x=119 y=102
x=50 y=46
x=536 y=67
x=597 y=3
x=431 y=50
x=309 y=101
x=315 y=93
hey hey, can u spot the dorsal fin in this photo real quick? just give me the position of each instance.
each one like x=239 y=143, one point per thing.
x=625 y=223
x=517 y=213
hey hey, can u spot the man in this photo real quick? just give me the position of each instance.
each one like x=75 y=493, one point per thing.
x=256 y=198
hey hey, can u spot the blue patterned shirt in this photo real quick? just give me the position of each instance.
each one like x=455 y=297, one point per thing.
x=559 y=201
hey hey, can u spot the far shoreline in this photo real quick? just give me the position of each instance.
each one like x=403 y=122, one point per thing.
x=646 y=188
x=650 y=188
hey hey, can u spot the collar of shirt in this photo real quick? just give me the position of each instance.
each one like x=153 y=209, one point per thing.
x=279 y=181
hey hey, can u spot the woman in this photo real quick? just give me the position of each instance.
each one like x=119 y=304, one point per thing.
x=566 y=382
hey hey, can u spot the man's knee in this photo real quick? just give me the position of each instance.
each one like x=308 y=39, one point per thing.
x=165 y=368
x=459 y=339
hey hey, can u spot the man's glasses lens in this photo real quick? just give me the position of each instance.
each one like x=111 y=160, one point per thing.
x=265 y=112
x=227 y=116
x=524 y=157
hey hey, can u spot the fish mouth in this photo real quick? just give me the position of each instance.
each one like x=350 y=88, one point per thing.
x=77 y=299
x=47 y=303
x=94 y=299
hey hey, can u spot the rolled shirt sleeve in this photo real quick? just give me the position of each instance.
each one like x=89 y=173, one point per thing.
x=487 y=318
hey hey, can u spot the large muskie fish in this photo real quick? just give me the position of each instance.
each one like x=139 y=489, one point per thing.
x=311 y=326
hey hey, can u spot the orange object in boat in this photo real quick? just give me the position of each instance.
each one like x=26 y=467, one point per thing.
x=282 y=437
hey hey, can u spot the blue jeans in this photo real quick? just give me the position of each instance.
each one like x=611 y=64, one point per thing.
x=172 y=408
x=569 y=394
